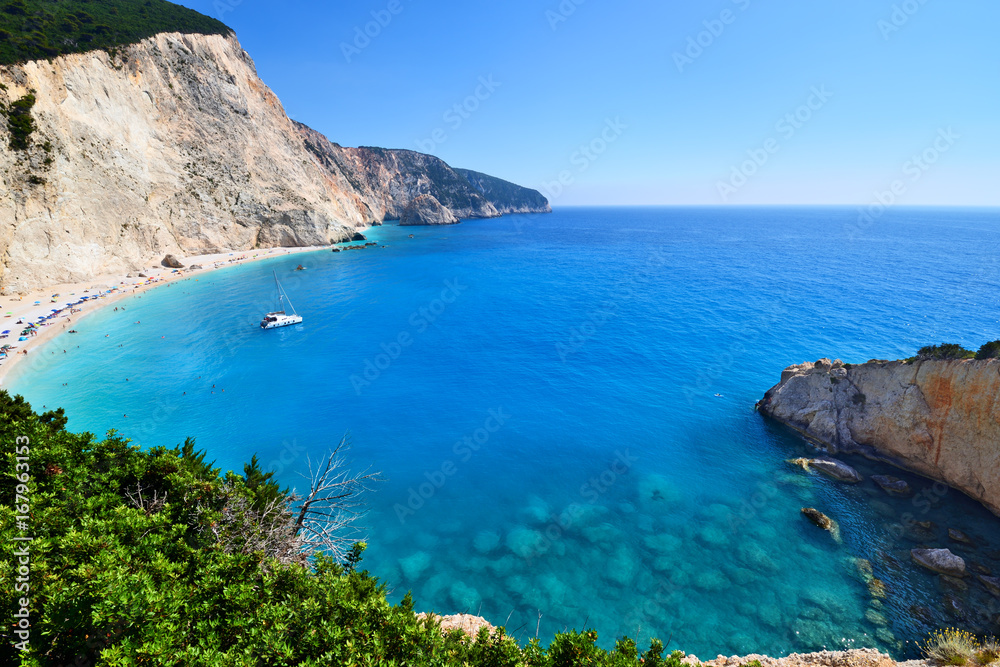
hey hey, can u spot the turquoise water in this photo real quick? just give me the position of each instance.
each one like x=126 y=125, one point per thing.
x=563 y=407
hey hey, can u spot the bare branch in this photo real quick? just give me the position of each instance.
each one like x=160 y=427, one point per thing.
x=328 y=515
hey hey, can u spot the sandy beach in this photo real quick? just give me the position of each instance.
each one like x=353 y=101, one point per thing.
x=110 y=289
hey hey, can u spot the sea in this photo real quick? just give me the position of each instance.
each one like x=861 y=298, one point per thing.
x=562 y=408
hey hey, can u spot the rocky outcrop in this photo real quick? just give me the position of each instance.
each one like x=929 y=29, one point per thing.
x=175 y=146
x=426 y=210
x=470 y=625
x=937 y=418
x=942 y=561
x=506 y=196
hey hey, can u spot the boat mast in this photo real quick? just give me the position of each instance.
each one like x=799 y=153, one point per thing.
x=282 y=297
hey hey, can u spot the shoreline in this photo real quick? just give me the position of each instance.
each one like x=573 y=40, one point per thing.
x=25 y=308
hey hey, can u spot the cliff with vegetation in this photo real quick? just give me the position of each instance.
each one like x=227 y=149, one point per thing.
x=113 y=157
x=388 y=181
x=933 y=415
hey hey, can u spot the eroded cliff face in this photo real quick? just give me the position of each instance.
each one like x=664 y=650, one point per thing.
x=937 y=418
x=387 y=181
x=174 y=145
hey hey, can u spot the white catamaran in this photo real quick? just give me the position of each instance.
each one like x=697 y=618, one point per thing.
x=279 y=318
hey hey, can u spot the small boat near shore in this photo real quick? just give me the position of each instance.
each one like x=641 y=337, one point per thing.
x=279 y=318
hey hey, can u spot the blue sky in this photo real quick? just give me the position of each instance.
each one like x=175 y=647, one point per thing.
x=669 y=102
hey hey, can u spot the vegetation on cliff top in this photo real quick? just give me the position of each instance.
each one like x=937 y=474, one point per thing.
x=990 y=350
x=503 y=192
x=38 y=29
x=155 y=558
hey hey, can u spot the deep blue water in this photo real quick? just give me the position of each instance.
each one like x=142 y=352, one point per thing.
x=567 y=427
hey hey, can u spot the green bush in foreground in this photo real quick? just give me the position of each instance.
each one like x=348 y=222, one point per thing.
x=133 y=563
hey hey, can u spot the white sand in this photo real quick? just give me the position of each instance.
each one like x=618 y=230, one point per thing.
x=23 y=307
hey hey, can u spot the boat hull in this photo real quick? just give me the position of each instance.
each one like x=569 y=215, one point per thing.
x=287 y=321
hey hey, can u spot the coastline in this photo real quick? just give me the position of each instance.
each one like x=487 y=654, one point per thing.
x=16 y=308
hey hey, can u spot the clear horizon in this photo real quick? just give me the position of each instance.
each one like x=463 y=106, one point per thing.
x=729 y=103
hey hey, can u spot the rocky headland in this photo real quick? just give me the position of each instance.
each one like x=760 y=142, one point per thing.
x=937 y=418
x=113 y=158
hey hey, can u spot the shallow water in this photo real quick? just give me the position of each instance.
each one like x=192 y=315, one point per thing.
x=563 y=406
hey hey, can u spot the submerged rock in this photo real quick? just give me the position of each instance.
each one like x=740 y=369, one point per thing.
x=414 y=565
x=526 y=543
x=942 y=561
x=922 y=531
x=960 y=537
x=876 y=618
x=991 y=584
x=955 y=608
x=486 y=541
x=818 y=518
x=894 y=486
x=877 y=589
x=953 y=584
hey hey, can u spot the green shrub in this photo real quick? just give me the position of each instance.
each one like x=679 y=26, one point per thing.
x=20 y=123
x=945 y=351
x=39 y=29
x=989 y=350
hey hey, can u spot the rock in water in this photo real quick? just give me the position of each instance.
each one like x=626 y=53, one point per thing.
x=838 y=470
x=818 y=518
x=942 y=561
x=894 y=486
x=960 y=537
x=427 y=210
x=823 y=521
x=992 y=584
x=922 y=531
x=358 y=236
x=172 y=262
